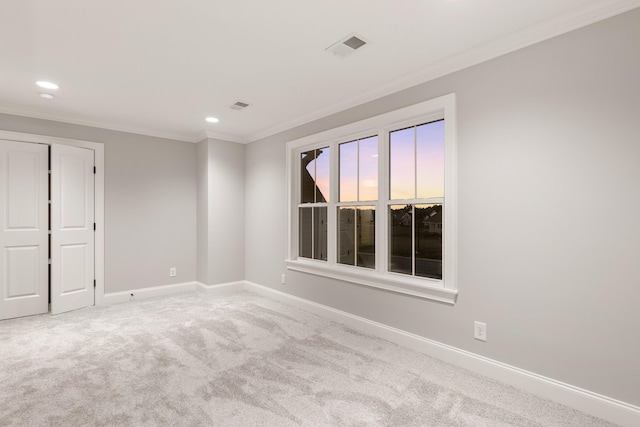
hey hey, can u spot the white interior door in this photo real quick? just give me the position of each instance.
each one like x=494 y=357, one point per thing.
x=72 y=228
x=24 y=225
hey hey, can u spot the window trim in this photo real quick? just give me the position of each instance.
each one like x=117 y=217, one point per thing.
x=444 y=290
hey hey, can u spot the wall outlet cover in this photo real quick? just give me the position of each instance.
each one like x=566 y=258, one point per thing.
x=480 y=331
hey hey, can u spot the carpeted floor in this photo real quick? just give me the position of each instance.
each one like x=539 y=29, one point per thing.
x=238 y=360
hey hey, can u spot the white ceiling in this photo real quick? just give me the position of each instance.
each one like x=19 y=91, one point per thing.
x=159 y=67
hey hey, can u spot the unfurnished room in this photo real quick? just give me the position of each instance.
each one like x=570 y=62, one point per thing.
x=327 y=213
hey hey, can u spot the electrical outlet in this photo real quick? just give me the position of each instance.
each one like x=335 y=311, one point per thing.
x=172 y=272
x=283 y=279
x=480 y=331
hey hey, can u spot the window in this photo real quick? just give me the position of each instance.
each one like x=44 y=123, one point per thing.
x=358 y=188
x=373 y=202
x=314 y=195
x=416 y=182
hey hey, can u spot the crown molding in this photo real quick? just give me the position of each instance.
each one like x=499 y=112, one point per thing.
x=25 y=112
x=224 y=137
x=192 y=138
x=595 y=11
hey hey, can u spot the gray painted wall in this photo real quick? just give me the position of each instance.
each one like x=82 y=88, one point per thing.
x=150 y=202
x=549 y=166
x=226 y=230
x=202 y=227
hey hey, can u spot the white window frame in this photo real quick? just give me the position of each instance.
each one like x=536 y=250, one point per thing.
x=444 y=290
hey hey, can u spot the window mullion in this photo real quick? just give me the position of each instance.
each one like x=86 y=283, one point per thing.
x=413 y=240
x=355 y=236
x=313 y=233
x=415 y=162
x=382 y=220
x=358 y=170
x=415 y=195
x=315 y=177
x=334 y=189
x=350 y=204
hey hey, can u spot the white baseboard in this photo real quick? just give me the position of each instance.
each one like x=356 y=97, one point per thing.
x=125 y=296
x=604 y=407
x=221 y=289
x=155 y=291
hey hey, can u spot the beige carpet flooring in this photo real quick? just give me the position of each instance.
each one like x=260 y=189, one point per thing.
x=238 y=360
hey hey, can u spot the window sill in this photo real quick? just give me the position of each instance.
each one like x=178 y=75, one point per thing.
x=387 y=281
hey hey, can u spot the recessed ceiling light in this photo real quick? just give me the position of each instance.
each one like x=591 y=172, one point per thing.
x=46 y=96
x=47 y=85
x=212 y=120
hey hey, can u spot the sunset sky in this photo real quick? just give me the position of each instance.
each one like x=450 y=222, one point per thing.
x=419 y=145
x=359 y=174
x=422 y=146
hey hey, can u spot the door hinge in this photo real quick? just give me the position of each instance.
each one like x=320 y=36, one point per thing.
x=94 y=170
x=94 y=283
x=94 y=226
x=49 y=261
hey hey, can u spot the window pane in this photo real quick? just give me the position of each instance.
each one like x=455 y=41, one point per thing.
x=314 y=175
x=366 y=237
x=304 y=243
x=349 y=171
x=428 y=241
x=320 y=233
x=346 y=236
x=400 y=238
x=322 y=175
x=307 y=176
x=368 y=168
x=430 y=159
x=402 y=164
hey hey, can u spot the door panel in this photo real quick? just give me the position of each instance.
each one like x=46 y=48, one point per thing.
x=73 y=192
x=24 y=220
x=22 y=271
x=72 y=231
x=22 y=190
x=73 y=262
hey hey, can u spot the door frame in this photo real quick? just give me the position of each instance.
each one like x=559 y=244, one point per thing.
x=98 y=149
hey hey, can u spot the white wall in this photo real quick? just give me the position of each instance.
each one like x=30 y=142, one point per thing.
x=150 y=202
x=549 y=166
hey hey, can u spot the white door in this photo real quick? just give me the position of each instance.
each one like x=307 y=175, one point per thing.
x=72 y=228
x=24 y=221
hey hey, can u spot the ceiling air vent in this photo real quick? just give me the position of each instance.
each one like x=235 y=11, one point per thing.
x=347 y=45
x=239 y=105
